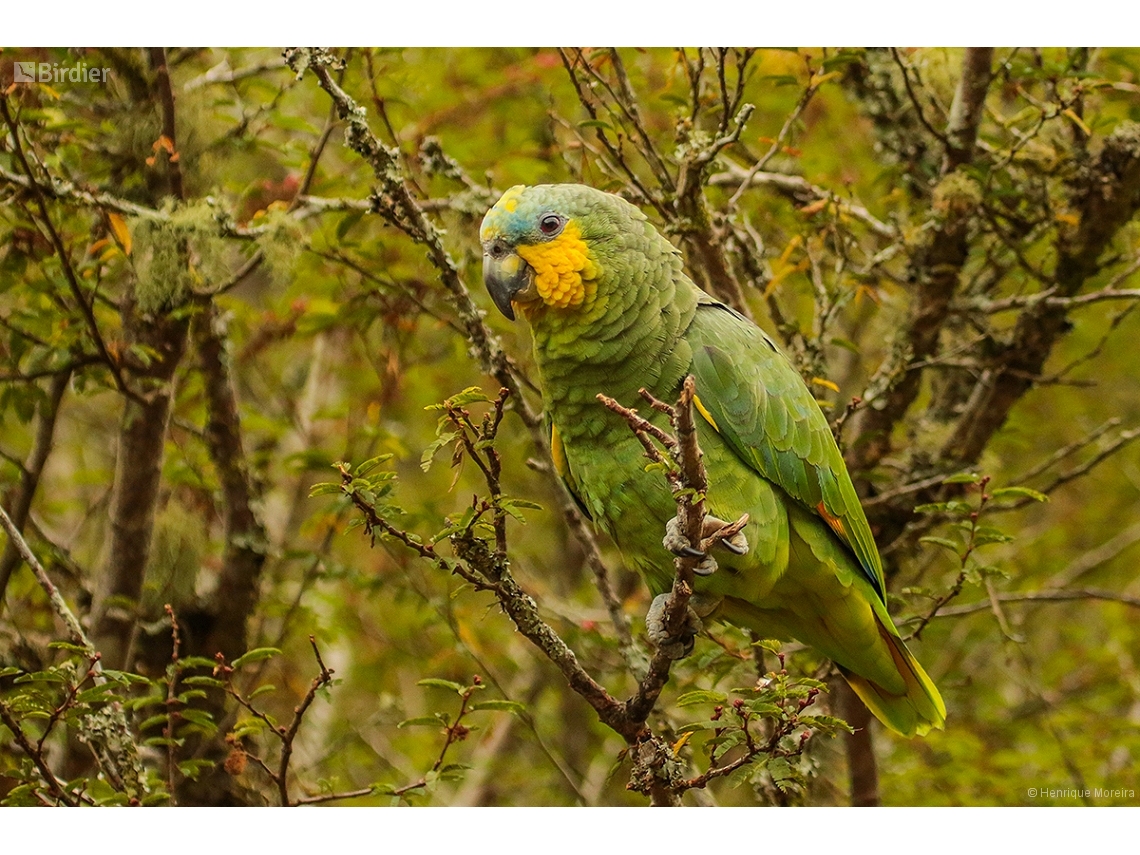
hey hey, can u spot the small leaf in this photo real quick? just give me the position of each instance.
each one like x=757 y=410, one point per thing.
x=370 y=464
x=513 y=707
x=153 y=720
x=1001 y=492
x=701 y=697
x=126 y=677
x=258 y=654
x=963 y=478
x=122 y=233
x=441 y=684
x=199 y=680
x=200 y=718
x=95 y=694
x=470 y=395
x=771 y=644
x=67 y=645
x=421 y=721
x=347 y=222
x=942 y=541
x=196 y=662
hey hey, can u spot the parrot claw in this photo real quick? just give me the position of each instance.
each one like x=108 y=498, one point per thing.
x=675 y=647
x=714 y=532
x=678 y=647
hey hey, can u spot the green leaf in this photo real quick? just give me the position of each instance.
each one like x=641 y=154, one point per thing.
x=1026 y=492
x=441 y=684
x=258 y=654
x=701 y=697
x=347 y=222
x=764 y=708
x=942 y=541
x=67 y=645
x=513 y=707
x=470 y=395
x=200 y=718
x=697 y=727
x=371 y=463
x=963 y=478
x=153 y=720
x=846 y=344
x=422 y=721
x=432 y=450
x=261 y=690
x=324 y=489
x=126 y=677
x=196 y=662
x=201 y=680
x=41 y=677
x=511 y=506
x=774 y=645
x=943 y=507
x=95 y=693
x=193 y=768
x=594 y=123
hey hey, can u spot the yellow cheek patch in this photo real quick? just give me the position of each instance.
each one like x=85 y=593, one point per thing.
x=564 y=271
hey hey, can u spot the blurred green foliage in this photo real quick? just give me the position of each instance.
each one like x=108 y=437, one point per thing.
x=341 y=342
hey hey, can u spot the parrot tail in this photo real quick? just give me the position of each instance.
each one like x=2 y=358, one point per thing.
x=912 y=714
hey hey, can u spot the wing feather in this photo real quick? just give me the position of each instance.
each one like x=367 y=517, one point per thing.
x=763 y=409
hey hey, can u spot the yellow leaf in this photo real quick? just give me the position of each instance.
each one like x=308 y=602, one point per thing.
x=680 y=743
x=820 y=79
x=814 y=208
x=1076 y=120
x=819 y=381
x=122 y=233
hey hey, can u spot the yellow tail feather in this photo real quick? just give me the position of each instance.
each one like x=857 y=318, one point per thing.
x=912 y=714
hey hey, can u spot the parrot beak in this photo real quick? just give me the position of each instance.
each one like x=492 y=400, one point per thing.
x=508 y=278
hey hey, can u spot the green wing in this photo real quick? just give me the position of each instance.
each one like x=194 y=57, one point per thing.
x=756 y=400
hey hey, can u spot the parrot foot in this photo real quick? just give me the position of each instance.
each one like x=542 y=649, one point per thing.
x=715 y=531
x=678 y=646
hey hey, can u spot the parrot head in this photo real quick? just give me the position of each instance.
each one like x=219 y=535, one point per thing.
x=546 y=246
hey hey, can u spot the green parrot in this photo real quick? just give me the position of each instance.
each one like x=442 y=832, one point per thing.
x=612 y=311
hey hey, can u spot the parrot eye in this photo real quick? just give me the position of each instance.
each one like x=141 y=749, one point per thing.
x=550 y=224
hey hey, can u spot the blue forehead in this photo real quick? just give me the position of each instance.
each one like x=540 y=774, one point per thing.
x=515 y=214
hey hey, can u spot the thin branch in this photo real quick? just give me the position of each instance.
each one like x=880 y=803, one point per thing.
x=61 y=251
x=166 y=99
x=778 y=143
x=31 y=470
x=801 y=191
x=966 y=109
x=37 y=757
x=287 y=739
x=1061 y=595
x=905 y=69
x=75 y=631
x=222 y=73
